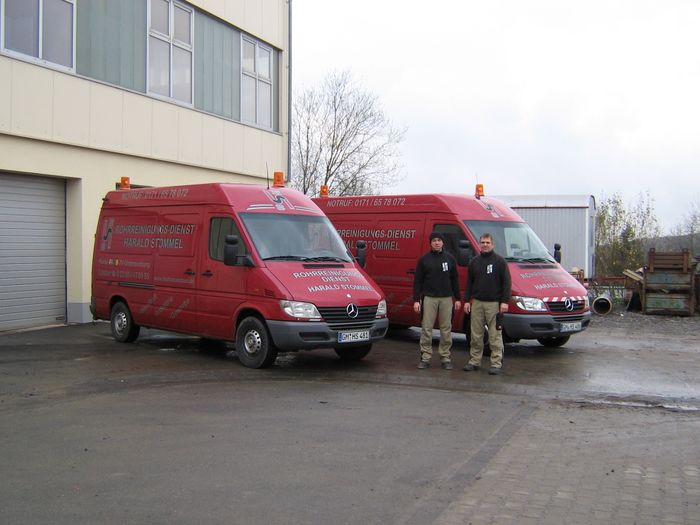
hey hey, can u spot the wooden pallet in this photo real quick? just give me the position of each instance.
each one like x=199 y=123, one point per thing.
x=679 y=261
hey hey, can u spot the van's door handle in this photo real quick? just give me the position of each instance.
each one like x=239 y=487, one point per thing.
x=411 y=272
x=189 y=272
x=208 y=273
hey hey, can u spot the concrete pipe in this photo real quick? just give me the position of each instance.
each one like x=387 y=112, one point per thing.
x=602 y=304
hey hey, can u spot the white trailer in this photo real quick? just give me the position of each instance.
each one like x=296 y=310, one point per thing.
x=568 y=220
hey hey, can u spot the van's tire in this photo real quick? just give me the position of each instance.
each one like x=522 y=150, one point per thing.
x=553 y=342
x=253 y=344
x=124 y=329
x=353 y=353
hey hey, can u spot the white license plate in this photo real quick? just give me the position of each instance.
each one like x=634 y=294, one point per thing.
x=571 y=327
x=353 y=337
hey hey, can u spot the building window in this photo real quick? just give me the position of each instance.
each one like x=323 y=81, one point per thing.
x=42 y=29
x=256 y=83
x=170 y=50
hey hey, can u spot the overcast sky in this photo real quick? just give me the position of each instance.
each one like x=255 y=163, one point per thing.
x=529 y=96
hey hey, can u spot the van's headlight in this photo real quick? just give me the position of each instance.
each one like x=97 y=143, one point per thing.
x=586 y=302
x=297 y=309
x=531 y=304
x=381 y=309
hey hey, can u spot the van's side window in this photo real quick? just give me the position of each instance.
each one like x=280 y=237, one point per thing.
x=453 y=234
x=219 y=228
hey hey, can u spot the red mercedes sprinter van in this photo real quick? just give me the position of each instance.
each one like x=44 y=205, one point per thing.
x=261 y=267
x=548 y=304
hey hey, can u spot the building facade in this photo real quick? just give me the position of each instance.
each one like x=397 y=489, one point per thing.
x=165 y=92
x=567 y=220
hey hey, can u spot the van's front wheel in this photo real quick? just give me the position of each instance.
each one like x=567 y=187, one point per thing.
x=354 y=353
x=253 y=344
x=124 y=329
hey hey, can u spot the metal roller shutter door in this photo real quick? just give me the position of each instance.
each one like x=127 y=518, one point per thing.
x=32 y=251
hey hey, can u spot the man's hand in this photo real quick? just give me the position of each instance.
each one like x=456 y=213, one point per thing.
x=416 y=306
x=504 y=307
x=467 y=307
x=458 y=305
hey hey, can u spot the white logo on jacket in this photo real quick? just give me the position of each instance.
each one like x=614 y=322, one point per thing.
x=489 y=268
x=445 y=267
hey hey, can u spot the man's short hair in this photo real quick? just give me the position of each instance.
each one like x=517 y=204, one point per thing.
x=486 y=236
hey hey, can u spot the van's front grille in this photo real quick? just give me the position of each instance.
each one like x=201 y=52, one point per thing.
x=561 y=306
x=338 y=318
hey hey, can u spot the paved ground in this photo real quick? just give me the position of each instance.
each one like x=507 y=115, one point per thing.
x=604 y=430
x=585 y=464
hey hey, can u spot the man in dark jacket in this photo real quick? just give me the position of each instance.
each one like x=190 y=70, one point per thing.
x=486 y=295
x=434 y=286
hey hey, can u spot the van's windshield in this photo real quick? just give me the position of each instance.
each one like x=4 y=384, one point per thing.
x=295 y=237
x=515 y=241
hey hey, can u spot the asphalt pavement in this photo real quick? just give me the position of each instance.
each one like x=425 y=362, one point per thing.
x=174 y=430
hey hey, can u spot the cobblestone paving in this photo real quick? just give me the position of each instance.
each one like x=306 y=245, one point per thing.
x=585 y=464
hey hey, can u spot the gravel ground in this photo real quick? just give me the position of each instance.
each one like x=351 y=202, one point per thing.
x=637 y=324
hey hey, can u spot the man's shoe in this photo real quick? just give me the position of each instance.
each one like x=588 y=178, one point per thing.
x=424 y=364
x=493 y=371
x=470 y=367
x=447 y=365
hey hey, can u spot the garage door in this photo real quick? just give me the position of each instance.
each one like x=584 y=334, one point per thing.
x=32 y=251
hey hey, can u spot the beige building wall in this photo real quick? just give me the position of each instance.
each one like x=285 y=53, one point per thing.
x=58 y=124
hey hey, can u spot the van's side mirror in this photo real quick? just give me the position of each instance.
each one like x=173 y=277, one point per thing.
x=466 y=252
x=231 y=257
x=361 y=256
x=557 y=252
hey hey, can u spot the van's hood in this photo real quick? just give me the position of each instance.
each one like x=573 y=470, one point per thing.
x=326 y=284
x=544 y=280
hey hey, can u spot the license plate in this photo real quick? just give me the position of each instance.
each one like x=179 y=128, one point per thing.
x=353 y=337
x=571 y=327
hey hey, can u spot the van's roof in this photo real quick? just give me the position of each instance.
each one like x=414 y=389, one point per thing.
x=465 y=206
x=242 y=197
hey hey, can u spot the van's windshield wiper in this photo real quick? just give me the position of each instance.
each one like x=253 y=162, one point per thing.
x=537 y=259
x=327 y=258
x=286 y=258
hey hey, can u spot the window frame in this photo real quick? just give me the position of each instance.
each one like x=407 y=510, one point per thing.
x=172 y=42
x=218 y=246
x=258 y=79
x=39 y=59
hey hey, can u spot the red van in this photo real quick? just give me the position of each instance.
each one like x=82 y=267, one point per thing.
x=548 y=304
x=261 y=267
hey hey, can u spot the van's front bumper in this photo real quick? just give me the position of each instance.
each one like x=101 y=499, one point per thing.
x=530 y=326
x=294 y=335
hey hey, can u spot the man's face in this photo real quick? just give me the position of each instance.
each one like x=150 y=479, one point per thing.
x=486 y=245
x=436 y=244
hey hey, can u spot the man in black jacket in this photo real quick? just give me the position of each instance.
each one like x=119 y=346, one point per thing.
x=486 y=295
x=434 y=285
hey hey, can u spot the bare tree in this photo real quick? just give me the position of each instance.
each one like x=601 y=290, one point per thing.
x=342 y=138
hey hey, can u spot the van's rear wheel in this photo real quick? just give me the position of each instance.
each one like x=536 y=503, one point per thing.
x=124 y=329
x=353 y=353
x=553 y=342
x=253 y=344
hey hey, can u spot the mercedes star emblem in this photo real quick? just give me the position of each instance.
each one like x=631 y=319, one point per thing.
x=352 y=311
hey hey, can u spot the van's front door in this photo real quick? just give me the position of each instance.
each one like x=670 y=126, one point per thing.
x=220 y=289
